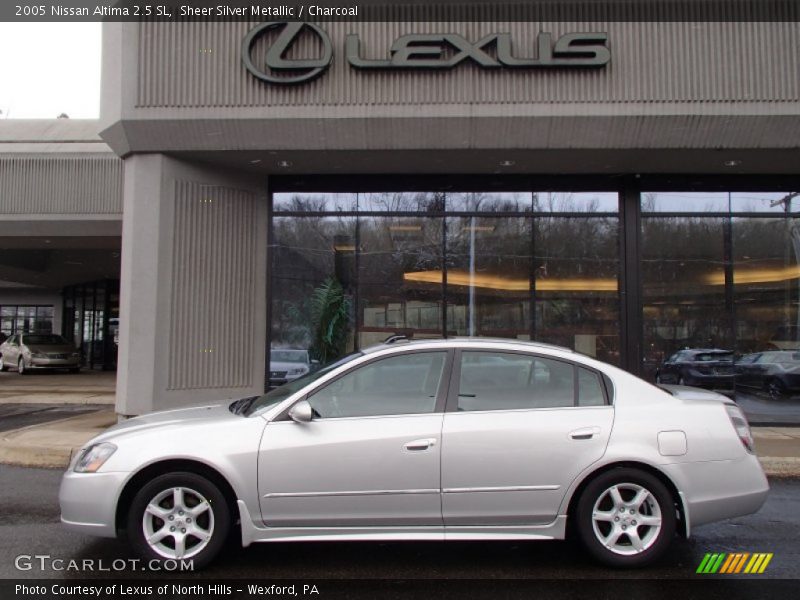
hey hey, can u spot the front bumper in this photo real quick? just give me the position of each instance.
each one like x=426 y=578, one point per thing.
x=720 y=489
x=53 y=363
x=88 y=502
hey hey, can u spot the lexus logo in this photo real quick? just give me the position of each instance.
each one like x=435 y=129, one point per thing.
x=279 y=69
x=421 y=52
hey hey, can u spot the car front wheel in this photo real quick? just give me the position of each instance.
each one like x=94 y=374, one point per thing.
x=775 y=388
x=21 y=367
x=3 y=365
x=626 y=518
x=180 y=516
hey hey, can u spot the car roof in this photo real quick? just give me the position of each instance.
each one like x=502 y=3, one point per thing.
x=461 y=341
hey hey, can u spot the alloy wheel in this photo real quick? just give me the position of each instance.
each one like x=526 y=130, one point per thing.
x=178 y=523
x=21 y=366
x=775 y=389
x=626 y=519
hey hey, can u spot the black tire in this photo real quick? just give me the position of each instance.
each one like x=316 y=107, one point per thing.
x=596 y=491
x=220 y=518
x=775 y=388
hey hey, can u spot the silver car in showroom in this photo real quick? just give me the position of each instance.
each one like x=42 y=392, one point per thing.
x=459 y=439
x=27 y=352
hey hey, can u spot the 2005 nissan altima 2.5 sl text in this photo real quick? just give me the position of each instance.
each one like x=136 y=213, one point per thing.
x=458 y=439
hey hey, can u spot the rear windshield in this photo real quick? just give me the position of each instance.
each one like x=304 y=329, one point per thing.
x=715 y=357
x=44 y=340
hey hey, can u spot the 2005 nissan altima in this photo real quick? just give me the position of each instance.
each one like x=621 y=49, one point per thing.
x=460 y=439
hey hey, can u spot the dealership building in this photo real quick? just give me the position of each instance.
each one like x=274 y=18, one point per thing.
x=623 y=188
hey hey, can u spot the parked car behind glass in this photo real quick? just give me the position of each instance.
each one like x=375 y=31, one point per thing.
x=287 y=364
x=700 y=367
x=38 y=351
x=776 y=372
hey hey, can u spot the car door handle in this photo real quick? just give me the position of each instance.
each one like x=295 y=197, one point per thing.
x=585 y=433
x=418 y=445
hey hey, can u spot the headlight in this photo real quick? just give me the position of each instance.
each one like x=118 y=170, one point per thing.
x=94 y=457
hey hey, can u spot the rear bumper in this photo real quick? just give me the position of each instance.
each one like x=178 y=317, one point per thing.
x=720 y=489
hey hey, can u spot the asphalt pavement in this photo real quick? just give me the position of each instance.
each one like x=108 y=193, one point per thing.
x=29 y=525
x=18 y=415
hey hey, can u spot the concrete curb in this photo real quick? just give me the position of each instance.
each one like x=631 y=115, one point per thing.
x=780 y=466
x=52 y=444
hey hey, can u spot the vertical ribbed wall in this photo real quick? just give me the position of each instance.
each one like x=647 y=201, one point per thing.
x=199 y=65
x=61 y=184
x=214 y=262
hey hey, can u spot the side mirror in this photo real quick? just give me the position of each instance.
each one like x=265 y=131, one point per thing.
x=301 y=412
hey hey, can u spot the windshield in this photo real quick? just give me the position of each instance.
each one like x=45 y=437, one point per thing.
x=44 y=340
x=298 y=356
x=279 y=394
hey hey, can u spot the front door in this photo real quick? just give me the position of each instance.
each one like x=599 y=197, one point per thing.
x=521 y=430
x=371 y=454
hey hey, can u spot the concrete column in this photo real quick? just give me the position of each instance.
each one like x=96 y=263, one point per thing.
x=193 y=285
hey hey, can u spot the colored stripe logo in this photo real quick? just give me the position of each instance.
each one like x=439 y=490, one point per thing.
x=736 y=562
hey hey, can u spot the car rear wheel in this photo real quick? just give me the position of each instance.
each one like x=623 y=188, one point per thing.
x=179 y=516
x=775 y=388
x=626 y=518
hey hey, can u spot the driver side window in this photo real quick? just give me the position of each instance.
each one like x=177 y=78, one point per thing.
x=403 y=384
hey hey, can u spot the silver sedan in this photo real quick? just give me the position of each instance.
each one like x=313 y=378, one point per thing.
x=461 y=439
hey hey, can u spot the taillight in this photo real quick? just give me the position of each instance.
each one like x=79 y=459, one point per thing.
x=742 y=427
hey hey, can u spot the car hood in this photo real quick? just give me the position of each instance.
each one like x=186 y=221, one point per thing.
x=61 y=348
x=181 y=417
x=684 y=392
x=285 y=366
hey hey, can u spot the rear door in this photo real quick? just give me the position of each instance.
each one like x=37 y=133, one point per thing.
x=518 y=429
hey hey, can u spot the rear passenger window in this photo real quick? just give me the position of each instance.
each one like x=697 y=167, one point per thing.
x=590 y=388
x=506 y=381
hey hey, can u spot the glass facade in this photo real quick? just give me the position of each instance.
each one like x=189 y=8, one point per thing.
x=349 y=270
x=711 y=270
x=91 y=322
x=15 y=318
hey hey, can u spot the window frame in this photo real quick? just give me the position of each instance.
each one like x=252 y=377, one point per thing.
x=455 y=382
x=441 y=392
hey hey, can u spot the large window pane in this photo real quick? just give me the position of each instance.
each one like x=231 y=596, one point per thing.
x=588 y=202
x=488 y=277
x=314 y=202
x=576 y=266
x=683 y=281
x=699 y=202
x=399 y=278
x=489 y=201
x=312 y=283
x=767 y=283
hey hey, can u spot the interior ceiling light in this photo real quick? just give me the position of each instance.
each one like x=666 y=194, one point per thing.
x=732 y=163
x=284 y=164
x=255 y=161
x=507 y=163
x=489 y=228
x=496 y=282
x=742 y=276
